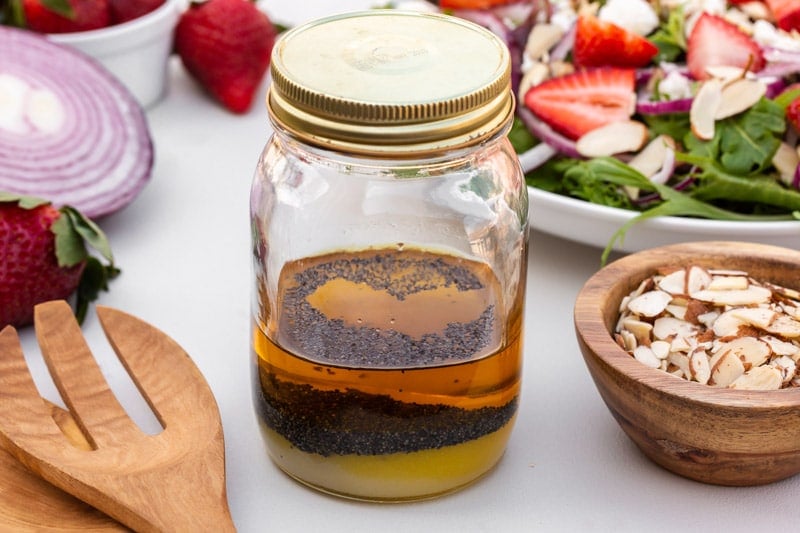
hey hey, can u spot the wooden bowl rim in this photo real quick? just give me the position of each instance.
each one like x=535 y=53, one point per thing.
x=631 y=270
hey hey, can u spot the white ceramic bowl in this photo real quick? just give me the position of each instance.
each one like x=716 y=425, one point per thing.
x=136 y=52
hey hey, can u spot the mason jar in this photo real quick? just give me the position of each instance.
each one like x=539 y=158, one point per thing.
x=389 y=225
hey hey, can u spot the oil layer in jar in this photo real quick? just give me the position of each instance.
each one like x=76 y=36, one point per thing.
x=393 y=374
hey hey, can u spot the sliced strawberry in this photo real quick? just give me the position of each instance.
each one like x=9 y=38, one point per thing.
x=599 y=43
x=786 y=13
x=585 y=100
x=81 y=15
x=716 y=42
x=472 y=4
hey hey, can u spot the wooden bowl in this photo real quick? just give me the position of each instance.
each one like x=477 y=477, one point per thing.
x=712 y=435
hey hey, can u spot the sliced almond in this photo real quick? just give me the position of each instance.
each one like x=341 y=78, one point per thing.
x=660 y=349
x=726 y=283
x=613 y=138
x=786 y=366
x=541 y=39
x=780 y=347
x=536 y=74
x=667 y=327
x=651 y=158
x=755 y=316
x=759 y=378
x=725 y=369
x=681 y=361
x=786 y=161
x=785 y=327
x=726 y=73
x=629 y=341
x=650 y=303
x=724 y=331
x=750 y=350
x=739 y=95
x=678 y=311
x=708 y=319
x=699 y=367
x=641 y=330
x=751 y=296
x=697 y=279
x=727 y=324
x=645 y=355
x=704 y=108
x=674 y=282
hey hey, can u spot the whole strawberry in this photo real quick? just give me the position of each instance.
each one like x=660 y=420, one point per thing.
x=125 y=10
x=63 y=16
x=43 y=256
x=226 y=46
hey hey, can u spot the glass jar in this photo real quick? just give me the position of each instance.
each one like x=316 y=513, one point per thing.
x=389 y=220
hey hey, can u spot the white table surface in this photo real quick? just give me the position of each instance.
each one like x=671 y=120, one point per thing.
x=183 y=246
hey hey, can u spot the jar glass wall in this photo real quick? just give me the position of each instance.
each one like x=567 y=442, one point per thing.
x=388 y=303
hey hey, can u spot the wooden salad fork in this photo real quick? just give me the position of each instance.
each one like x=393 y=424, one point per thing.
x=169 y=482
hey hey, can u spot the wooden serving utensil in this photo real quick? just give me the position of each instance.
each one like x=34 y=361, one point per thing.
x=30 y=504
x=172 y=481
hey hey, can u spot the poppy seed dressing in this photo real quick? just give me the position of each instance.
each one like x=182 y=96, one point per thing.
x=359 y=373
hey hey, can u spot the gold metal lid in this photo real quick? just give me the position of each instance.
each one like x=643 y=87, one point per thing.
x=389 y=82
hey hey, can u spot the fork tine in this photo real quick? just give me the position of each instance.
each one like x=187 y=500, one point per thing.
x=78 y=377
x=23 y=413
x=165 y=374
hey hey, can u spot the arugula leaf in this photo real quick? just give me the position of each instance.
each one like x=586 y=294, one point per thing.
x=787 y=97
x=549 y=176
x=582 y=181
x=669 y=37
x=674 y=203
x=521 y=138
x=675 y=125
x=714 y=183
x=745 y=143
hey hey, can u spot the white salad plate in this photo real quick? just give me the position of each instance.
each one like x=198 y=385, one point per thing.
x=592 y=224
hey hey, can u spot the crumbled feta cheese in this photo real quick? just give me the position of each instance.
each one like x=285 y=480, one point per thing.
x=564 y=15
x=716 y=7
x=766 y=34
x=636 y=16
x=675 y=86
x=415 y=5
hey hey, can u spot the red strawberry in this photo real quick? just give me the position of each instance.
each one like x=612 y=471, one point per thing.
x=226 y=46
x=599 y=43
x=786 y=13
x=472 y=4
x=125 y=10
x=793 y=114
x=43 y=257
x=716 y=42
x=44 y=17
x=585 y=100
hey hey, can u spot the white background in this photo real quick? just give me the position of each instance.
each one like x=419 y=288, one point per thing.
x=183 y=246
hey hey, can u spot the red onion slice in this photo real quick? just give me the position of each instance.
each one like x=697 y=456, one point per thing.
x=664 y=107
x=546 y=134
x=796 y=180
x=69 y=131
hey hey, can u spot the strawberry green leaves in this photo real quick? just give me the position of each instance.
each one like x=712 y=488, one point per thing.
x=73 y=232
